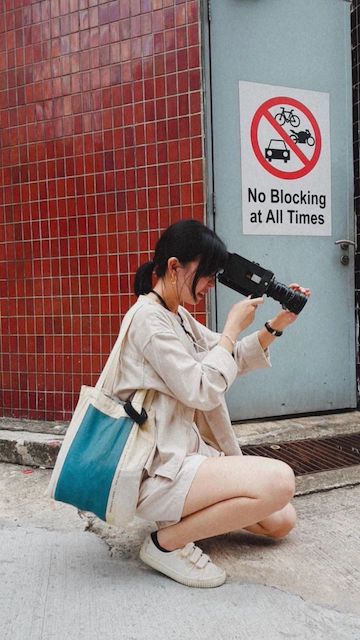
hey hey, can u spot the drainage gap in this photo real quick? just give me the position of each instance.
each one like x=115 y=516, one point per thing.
x=312 y=456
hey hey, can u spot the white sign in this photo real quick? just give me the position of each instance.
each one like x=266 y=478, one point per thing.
x=285 y=161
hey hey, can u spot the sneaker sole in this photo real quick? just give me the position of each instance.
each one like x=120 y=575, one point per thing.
x=189 y=582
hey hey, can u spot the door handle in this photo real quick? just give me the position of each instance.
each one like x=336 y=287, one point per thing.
x=344 y=244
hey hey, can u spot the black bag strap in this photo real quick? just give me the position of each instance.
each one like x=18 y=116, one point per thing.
x=139 y=418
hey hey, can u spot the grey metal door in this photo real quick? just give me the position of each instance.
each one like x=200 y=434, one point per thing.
x=285 y=49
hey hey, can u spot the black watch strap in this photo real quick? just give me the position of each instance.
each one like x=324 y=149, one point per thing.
x=273 y=331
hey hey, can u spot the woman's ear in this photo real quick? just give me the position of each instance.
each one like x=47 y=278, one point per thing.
x=173 y=264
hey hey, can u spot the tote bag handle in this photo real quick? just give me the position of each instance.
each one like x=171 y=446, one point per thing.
x=112 y=360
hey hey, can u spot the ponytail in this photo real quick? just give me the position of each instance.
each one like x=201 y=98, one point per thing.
x=143 y=278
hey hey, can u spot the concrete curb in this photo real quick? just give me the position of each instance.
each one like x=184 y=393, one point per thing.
x=306 y=427
x=326 y=480
x=30 y=449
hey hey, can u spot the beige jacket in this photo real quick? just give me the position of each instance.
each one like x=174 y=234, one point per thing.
x=190 y=378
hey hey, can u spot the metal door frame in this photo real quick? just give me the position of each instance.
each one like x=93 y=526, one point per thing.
x=205 y=18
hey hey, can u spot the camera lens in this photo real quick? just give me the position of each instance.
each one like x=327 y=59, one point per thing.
x=291 y=300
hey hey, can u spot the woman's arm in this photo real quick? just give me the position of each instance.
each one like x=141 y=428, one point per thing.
x=246 y=350
x=240 y=316
x=158 y=339
x=200 y=385
x=283 y=319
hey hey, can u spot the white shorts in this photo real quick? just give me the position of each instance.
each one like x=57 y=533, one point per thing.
x=161 y=499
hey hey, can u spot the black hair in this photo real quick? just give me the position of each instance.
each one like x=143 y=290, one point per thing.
x=185 y=240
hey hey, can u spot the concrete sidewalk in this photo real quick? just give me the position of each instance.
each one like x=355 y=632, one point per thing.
x=63 y=577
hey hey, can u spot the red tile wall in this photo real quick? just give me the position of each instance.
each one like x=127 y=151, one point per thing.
x=101 y=147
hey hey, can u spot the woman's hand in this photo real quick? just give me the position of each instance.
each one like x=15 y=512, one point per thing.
x=296 y=287
x=241 y=315
x=284 y=318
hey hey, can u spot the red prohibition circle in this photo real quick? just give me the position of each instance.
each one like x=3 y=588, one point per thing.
x=263 y=112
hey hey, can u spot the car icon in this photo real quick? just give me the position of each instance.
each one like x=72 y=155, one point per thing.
x=277 y=150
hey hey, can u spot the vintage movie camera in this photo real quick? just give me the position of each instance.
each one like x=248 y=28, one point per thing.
x=249 y=278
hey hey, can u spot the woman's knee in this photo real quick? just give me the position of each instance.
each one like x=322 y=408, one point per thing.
x=271 y=481
x=287 y=480
x=277 y=524
x=281 y=484
x=285 y=522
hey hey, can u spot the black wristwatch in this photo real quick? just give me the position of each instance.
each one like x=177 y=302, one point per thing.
x=273 y=332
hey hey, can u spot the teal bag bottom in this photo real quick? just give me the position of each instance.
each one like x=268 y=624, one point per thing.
x=87 y=473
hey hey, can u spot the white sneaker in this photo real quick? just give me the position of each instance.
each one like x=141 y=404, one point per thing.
x=188 y=565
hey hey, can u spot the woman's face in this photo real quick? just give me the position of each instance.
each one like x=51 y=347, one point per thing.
x=185 y=276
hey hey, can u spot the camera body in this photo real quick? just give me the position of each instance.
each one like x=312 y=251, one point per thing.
x=249 y=278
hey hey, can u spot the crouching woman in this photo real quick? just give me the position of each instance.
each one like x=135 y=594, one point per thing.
x=197 y=484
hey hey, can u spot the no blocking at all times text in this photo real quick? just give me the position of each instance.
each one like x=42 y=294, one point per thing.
x=289 y=216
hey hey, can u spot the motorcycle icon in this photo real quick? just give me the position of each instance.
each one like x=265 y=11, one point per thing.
x=302 y=137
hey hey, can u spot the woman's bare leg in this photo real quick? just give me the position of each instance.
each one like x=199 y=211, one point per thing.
x=234 y=492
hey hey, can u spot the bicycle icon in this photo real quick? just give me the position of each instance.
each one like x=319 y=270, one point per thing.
x=287 y=116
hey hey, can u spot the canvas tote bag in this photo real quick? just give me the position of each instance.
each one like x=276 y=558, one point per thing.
x=106 y=447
